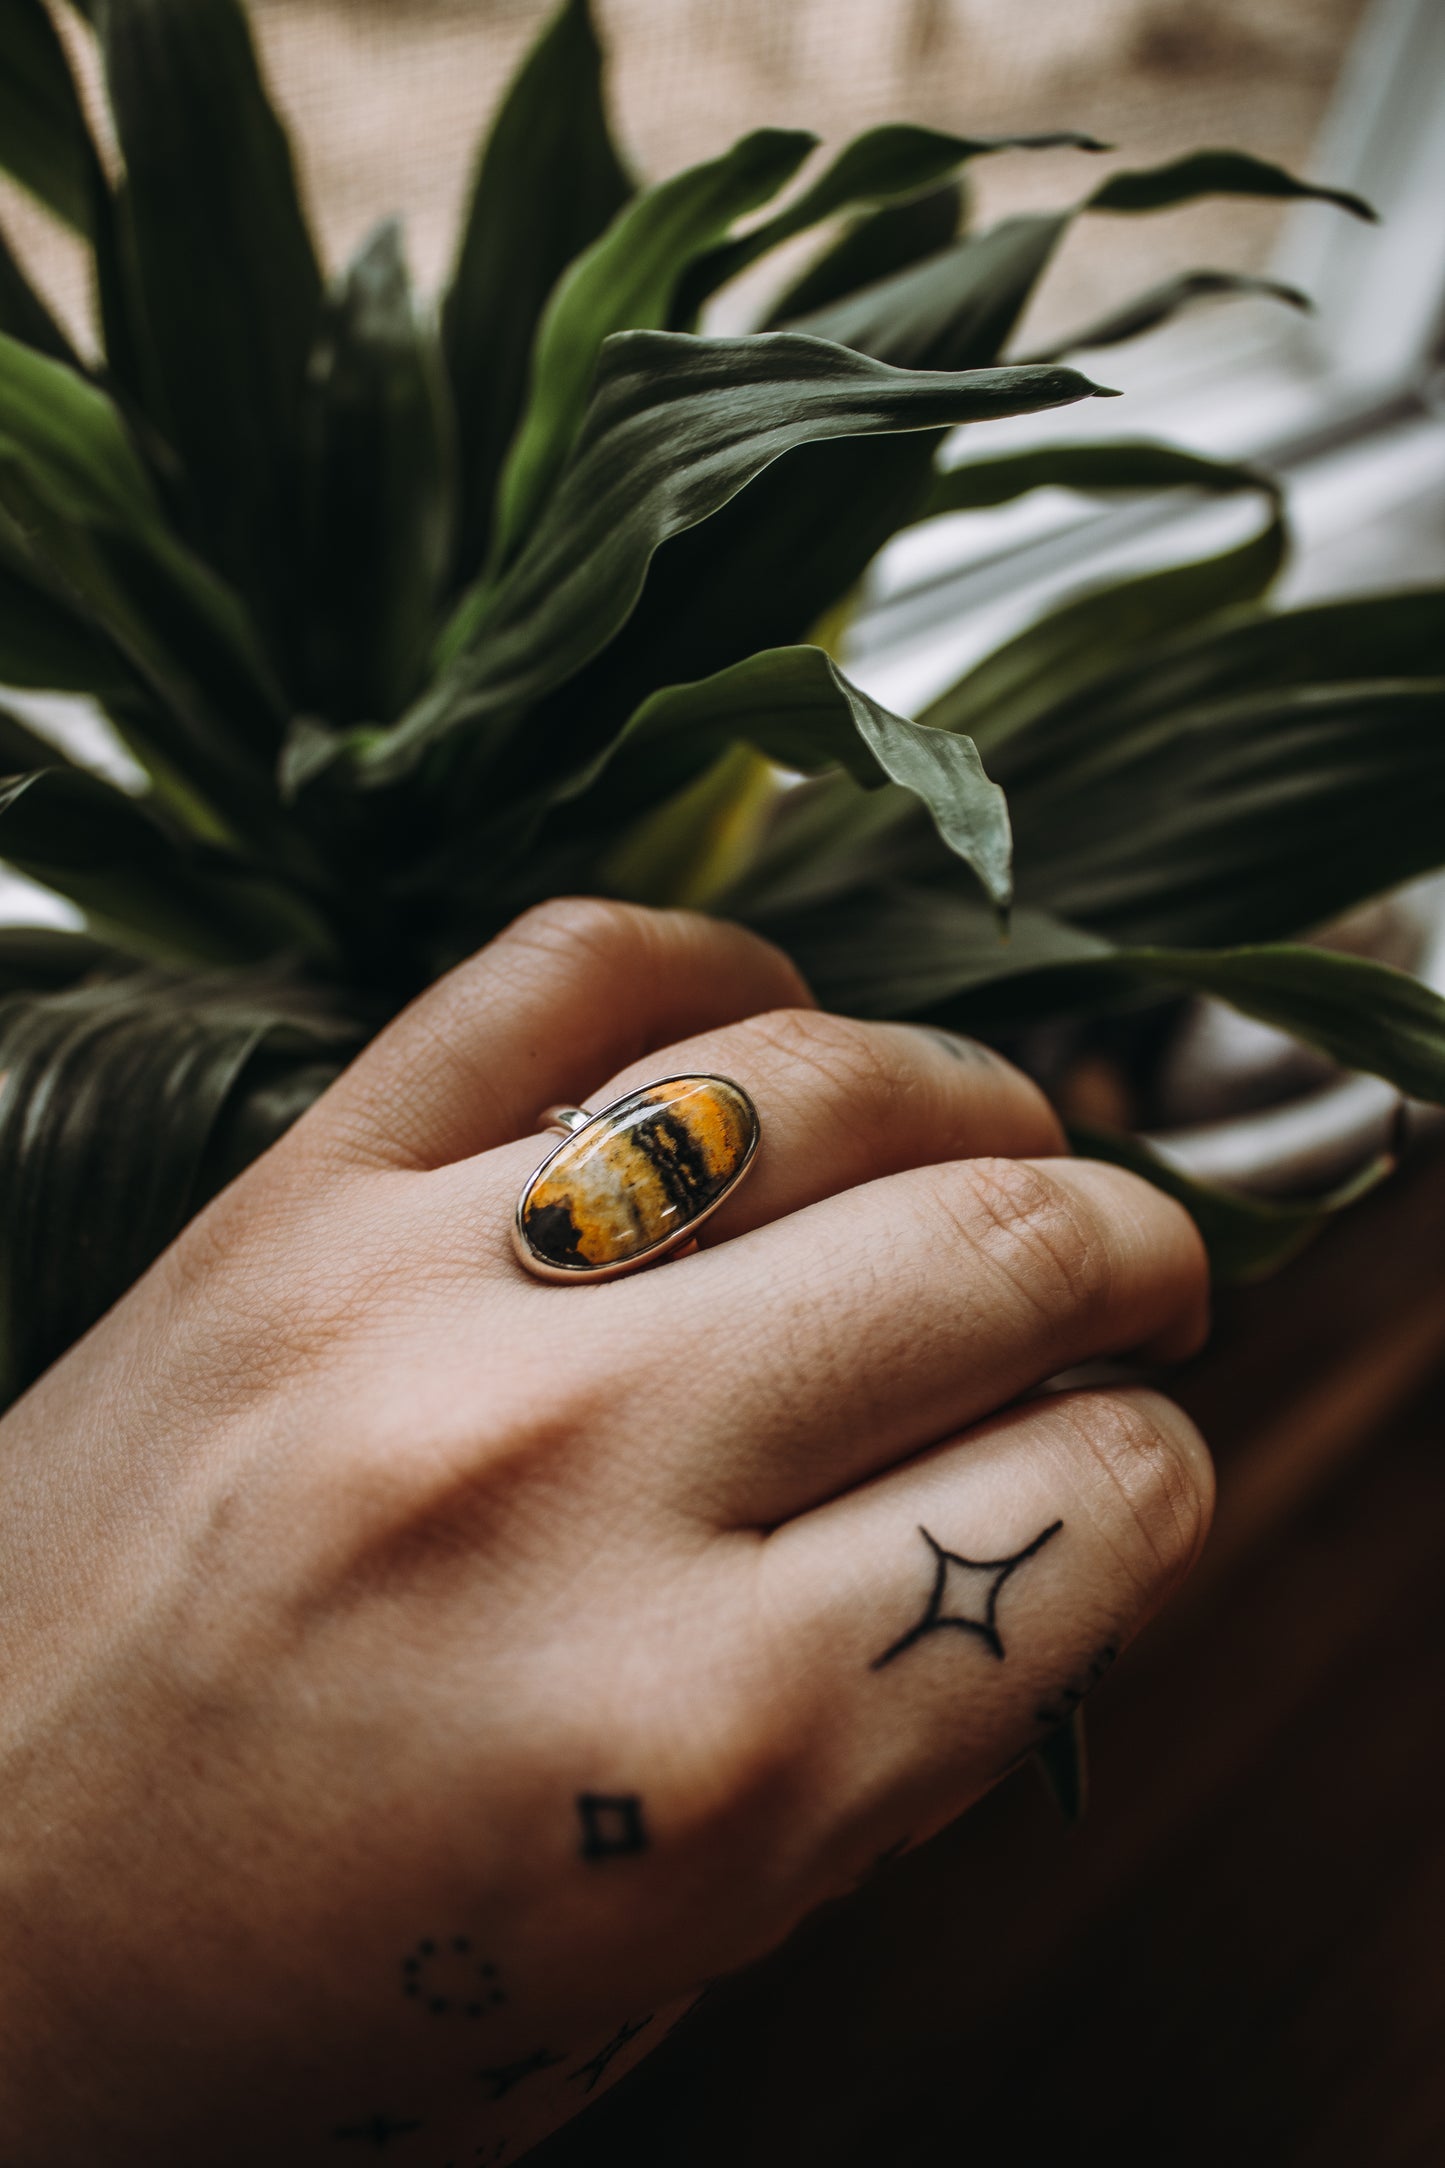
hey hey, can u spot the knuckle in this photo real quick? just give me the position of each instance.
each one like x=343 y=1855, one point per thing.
x=1155 y=1476
x=565 y=925
x=1035 y=1226
x=852 y=1063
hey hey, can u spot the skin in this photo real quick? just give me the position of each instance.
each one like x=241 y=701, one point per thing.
x=343 y=1558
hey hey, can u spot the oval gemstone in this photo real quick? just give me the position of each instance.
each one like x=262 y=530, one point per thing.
x=639 y=1174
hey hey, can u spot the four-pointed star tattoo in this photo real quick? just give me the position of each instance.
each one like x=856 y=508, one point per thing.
x=965 y=1595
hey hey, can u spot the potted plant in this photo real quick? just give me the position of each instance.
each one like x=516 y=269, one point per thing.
x=406 y=619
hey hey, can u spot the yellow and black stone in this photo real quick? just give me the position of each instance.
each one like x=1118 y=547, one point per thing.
x=639 y=1173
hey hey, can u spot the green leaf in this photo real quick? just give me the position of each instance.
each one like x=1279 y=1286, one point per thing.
x=795 y=705
x=1156 y=306
x=44 y=643
x=1364 y=1015
x=764 y=569
x=872 y=247
x=900 y=950
x=954 y=310
x=1238 y=821
x=962 y=304
x=1247 y=1237
x=44 y=141
x=115 y=1100
x=377 y=476
x=227 y=285
x=625 y=281
x=24 y=316
x=897 y=949
x=896 y=160
x=1398 y=634
x=140 y=887
x=1128 y=464
x=677 y=426
x=85 y=529
x=1012 y=693
x=1215 y=173
x=549 y=180
x=41 y=959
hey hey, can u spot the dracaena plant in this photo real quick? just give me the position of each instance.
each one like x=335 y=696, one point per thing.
x=408 y=617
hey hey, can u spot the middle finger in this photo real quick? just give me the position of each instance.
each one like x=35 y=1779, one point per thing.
x=840 y=1340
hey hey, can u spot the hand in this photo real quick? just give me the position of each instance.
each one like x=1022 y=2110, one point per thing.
x=419 y=1678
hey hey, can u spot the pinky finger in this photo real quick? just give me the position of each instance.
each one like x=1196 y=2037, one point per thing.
x=941 y=1622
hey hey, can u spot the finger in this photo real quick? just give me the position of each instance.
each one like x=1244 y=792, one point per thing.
x=544 y=1013
x=837 y=1341
x=842 y=1102
x=937 y=1624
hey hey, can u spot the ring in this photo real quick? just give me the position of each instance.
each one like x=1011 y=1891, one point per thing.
x=633 y=1182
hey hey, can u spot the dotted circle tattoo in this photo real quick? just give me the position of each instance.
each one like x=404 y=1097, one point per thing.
x=447 y=1978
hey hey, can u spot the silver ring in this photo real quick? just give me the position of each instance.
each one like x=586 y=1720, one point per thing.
x=632 y=1183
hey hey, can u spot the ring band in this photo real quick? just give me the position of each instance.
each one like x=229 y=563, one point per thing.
x=632 y=1183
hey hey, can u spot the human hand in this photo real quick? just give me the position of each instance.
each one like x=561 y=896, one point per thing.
x=419 y=1679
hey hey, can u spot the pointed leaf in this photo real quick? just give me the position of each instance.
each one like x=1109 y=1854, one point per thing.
x=113 y=1099
x=677 y=426
x=872 y=247
x=44 y=141
x=1247 y=1237
x=44 y=643
x=41 y=959
x=227 y=283
x=139 y=887
x=1397 y=634
x=954 y=310
x=94 y=538
x=1130 y=464
x=934 y=953
x=549 y=180
x=1215 y=173
x=1079 y=642
x=1243 y=821
x=377 y=471
x=795 y=705
x=1156 y=306
x=897 y=159
x=1364 y=1015
x=625 y=281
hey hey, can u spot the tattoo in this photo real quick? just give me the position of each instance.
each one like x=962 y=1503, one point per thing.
x=378 y=2131
x=503 y=2076
x=448 y=1979
x=596 y=2067
x=971 y=1052
x=1061 y=1706
x=612 y=1824
x=971 y=1586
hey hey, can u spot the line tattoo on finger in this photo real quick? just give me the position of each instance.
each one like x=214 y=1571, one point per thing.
x=501 y=2077
x=596 y=2066
x=1062 y=1703
x=964 y=1596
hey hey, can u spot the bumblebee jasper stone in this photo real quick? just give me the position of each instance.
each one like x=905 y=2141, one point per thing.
x=639 y=1174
